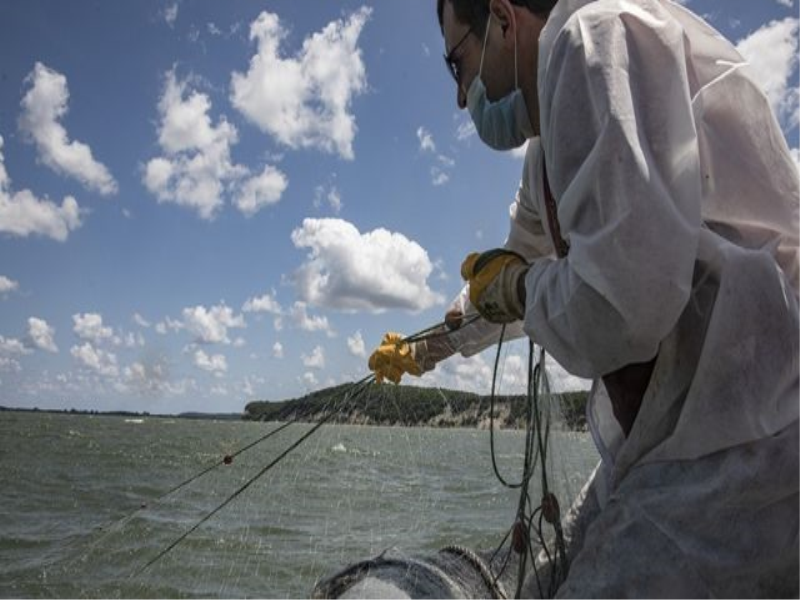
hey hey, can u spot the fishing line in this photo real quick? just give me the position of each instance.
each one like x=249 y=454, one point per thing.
x=360 y=387
x=116 y=525
x=112 y=527
x=227 y=459
x=354 y=392
x=438 y=330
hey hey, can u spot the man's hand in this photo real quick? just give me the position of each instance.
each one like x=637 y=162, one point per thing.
x=394 y=357
x=496 y=284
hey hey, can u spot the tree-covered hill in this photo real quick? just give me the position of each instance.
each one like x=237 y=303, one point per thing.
x=415 y=406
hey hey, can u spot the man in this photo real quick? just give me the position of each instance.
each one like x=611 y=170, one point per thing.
x=653 y=247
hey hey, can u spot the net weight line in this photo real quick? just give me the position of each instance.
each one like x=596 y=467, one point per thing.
x=113 y=526
x=352 y=394
x=357 y=389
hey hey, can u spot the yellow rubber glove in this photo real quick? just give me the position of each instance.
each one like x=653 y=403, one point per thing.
x=494 y=281
x=394 y=357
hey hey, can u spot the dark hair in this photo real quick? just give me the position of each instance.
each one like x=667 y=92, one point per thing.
x=475 y=13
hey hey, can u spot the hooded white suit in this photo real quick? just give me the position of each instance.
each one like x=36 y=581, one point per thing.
x=678 y=198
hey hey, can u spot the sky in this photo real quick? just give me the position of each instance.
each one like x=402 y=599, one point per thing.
x=206 y=203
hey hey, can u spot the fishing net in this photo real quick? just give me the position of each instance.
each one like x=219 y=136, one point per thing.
x=275 y=508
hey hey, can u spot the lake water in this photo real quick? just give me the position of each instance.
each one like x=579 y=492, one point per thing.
x=79 y=512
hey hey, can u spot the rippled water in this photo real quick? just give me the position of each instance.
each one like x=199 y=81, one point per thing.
x=79 y=516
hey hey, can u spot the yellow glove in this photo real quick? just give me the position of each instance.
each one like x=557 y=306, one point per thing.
x=394 y=357
x=494 y=282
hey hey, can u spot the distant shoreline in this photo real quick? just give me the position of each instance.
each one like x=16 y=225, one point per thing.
x=127 y=413
x=387 y=406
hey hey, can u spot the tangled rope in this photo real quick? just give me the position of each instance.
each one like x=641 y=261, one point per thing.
x=529 y=519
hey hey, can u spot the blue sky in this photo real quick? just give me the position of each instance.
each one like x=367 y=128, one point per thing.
x=176 y=234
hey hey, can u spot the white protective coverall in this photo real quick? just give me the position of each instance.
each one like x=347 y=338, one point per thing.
x=678 y=197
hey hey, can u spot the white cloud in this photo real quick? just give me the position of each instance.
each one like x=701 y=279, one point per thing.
x=247 y=388
x=335 y=200
x=438 y=176
x=465 y=130
x=795 y=152
x=261 y=190
x=40 y=334
x=446 y=161
x=169 y=324
x=216 y=363
x=304 y=101
x=198 y=165
x=150 y=377
x=141 y=321
x=426 y=143
x=301 y=318
x=266 y=303
x=356 y=345
x=9 y=364
x=563 y=381
x=7 y=285
x=316 y=360
x=219 y=390
x=128 y=339
x=42 y=107
x=772 y=52
x=12 y=346
x=330 y=195
x=197 y=171
x=310 y=380
x=786 y=3
x=22 y=214
x=373 y=271
x=475 y=374
x=210 y=326
x=171 y=14
x=459 y=373
x=97 y=359
x=89 y=326
x=277 y=350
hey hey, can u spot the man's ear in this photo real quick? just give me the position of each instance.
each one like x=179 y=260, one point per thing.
x=503 y=13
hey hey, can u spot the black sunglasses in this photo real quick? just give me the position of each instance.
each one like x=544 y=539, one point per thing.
x=449 y=60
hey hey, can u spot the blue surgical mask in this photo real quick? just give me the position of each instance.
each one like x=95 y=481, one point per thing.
x=503 y=124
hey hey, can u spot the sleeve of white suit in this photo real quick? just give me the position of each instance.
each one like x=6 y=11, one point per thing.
x=527 y=237
x=622 y=160
x=526 y=234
